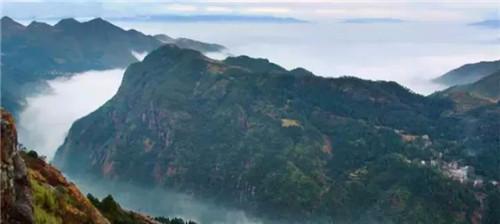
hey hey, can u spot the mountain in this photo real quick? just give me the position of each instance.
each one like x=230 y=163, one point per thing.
x=490 y=23
x=34 y=191
x=38 y=52
x=469 y=73
x=287 y=145
x=71 y=46
x=482 y=92
x=477 y=109
x=190 y=44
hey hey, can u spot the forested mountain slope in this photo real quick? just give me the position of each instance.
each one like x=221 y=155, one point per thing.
x=286 y=145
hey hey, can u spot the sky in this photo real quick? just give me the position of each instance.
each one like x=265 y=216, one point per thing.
x=310 y=10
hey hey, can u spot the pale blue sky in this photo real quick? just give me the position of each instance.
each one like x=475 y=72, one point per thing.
x=311 y=10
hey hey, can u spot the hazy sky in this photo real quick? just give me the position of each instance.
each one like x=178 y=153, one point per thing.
x=312 y=10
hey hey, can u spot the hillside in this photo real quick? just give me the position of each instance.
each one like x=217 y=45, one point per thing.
x=482 y=92
x=469 y=73
x=286 y=145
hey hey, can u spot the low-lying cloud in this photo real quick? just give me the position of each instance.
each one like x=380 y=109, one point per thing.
x=139 y=55
x=162 y=202
x=48 y=115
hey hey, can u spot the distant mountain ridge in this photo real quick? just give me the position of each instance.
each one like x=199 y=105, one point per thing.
x=373 y=20
x=490 y=23
x=190 y=44
x=39 y=52
x=468 y=96
x=469 y=73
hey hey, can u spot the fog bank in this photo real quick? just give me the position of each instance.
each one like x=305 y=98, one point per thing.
x=48 y=115
x=139 y=55
x=161 y=202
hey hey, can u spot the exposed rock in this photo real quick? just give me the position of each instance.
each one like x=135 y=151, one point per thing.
x=16 y=195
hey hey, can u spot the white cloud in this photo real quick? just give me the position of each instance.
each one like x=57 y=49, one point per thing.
x=218 y=9
x=272 y=10
x=73 y=99
x=181 y=8
x=407 y=11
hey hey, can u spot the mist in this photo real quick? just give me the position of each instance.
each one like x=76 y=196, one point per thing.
x=48 y=115
x=161 y=202
x=139 y=55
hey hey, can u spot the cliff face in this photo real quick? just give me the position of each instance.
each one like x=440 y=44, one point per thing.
x=16 y=194
x=34 y=191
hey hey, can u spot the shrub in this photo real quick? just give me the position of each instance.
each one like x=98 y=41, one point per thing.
x=33 y=154
x=43 y=217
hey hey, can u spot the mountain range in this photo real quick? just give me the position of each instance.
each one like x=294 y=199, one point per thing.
x=39 y=52
x=289 y=145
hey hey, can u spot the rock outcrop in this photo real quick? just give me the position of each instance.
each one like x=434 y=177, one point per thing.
x=16 y=194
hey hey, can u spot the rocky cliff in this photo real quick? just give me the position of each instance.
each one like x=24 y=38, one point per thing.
x=16 y=193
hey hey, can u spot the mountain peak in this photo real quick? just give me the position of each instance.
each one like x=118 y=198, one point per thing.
x=7 y=19
x=99 y=21
x=101 y=24
x=39 y=26
x=172 y=52
x=67 y=22
x=260 y=65
x=301 y=72
x=8 y=24
x=164 y=38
